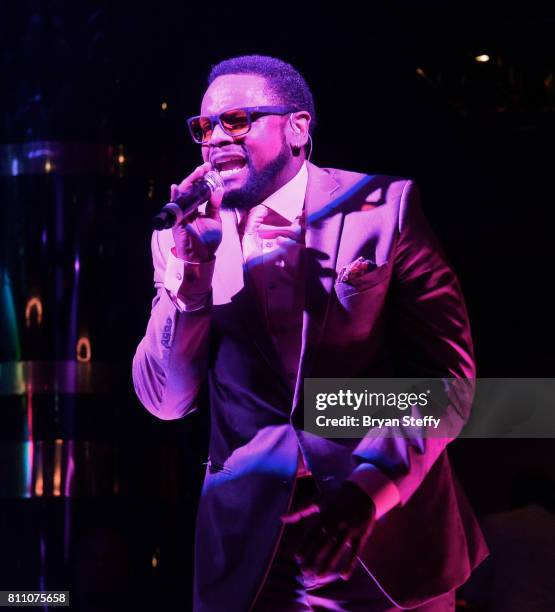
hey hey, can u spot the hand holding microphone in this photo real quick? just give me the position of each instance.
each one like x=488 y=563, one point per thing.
x=196 y=235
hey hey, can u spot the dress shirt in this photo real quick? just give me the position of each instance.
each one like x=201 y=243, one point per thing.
x=272 y=240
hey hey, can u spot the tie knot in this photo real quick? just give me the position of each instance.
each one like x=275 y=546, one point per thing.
x=255 y=217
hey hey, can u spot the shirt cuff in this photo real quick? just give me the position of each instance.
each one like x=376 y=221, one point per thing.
x=375 y=484
x=188 y=283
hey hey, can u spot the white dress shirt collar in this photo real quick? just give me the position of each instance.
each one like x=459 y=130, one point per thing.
x=288 y=200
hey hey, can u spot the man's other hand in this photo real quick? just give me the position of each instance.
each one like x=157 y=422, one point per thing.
x=341 y=524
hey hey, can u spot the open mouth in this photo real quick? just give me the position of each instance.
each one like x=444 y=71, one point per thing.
x=230 y=167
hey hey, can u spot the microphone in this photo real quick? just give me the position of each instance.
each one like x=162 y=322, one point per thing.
x=187 y=201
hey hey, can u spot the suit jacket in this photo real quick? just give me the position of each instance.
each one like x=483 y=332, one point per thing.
x=405 y=317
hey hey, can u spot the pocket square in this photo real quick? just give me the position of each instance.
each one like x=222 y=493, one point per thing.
x=356 y=268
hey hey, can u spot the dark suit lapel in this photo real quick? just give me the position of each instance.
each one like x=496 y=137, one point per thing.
x=323 y=230
x=327 y=202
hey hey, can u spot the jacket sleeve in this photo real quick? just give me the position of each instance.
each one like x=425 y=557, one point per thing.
x=431 y=335
x=170 y=363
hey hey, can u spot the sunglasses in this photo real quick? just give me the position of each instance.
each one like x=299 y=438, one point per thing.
x=234 y=122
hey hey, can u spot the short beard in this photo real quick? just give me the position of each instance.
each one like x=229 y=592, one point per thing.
x=256 y=189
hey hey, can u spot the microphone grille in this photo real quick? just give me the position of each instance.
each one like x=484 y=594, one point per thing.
x=214 y=180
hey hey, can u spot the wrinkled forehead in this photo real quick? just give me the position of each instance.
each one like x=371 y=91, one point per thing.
x=234 y=91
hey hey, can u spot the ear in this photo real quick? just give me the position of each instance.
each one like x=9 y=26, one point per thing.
x=297 y=129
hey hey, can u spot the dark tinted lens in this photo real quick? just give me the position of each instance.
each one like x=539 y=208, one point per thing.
x=201 y=129
x=235 y=122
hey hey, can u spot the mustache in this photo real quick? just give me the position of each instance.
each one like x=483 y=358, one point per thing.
x=242 y=151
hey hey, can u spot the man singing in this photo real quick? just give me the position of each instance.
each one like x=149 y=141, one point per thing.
x=294 y=271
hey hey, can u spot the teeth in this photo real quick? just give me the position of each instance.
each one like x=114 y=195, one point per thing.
x=225 y=173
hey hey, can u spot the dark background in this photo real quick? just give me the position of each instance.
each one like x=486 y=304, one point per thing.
x=398 y=91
